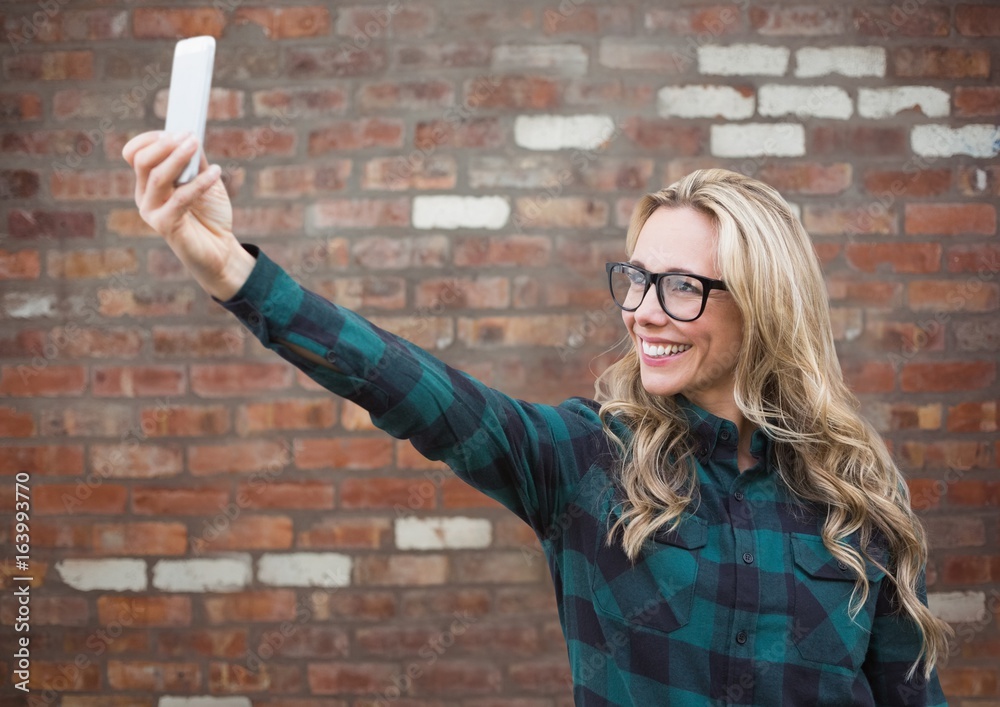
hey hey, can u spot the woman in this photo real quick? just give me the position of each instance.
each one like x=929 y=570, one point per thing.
x=722 y=528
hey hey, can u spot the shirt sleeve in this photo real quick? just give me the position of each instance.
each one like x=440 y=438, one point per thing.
x=528 y=457
x=894 y=645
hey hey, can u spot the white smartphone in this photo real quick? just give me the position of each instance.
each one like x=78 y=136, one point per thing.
x=187 y=101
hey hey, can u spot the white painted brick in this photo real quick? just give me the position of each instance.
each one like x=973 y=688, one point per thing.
x=560 y=132
x=489 y=212
x=305 y=569
x=119 y=575
x=758 y=140
x=804 y=101
x=941 y=141
x=743 y=60
x=208 y=574
x=957 y=607
x=27 y=305
x=569 y=58
x=704 y=102
x=442 y=533
x=848 y=61
x=887 y=102
x=204 y=702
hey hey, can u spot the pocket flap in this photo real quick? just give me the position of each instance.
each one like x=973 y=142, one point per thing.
x=690 y=533
x=812 y=556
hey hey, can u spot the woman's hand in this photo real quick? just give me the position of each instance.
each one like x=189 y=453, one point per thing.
x=195 y=219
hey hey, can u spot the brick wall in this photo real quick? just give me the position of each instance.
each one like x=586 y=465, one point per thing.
x=205 y=521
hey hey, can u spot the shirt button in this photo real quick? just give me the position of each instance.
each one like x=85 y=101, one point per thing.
x=747 y=557
x=724 y=435
x=741 y=637
x=738 y=495
x=841 y=566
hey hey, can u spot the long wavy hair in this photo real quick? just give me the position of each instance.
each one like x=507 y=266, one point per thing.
x=788 y=383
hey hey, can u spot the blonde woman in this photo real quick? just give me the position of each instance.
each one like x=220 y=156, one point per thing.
x=722 y=527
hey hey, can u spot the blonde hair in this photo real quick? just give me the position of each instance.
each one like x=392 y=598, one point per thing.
x=788 y=383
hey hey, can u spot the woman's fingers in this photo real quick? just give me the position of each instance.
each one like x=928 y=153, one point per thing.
x=163 y=176
x=137 y=143
x=148 y=158
x=182 y=198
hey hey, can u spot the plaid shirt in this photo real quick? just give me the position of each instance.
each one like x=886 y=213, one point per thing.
x=741 y=604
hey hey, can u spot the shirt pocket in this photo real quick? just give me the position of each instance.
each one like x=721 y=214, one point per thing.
x=822 y=628
x=657 y=592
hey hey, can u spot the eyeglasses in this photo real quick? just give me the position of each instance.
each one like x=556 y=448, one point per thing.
x=682 y=295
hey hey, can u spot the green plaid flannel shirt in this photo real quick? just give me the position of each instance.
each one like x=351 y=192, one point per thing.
x=741 y=604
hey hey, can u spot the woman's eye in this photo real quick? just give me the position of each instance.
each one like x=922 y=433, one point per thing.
x=636 y=278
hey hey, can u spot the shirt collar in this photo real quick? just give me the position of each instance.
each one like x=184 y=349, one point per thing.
x=711 y=431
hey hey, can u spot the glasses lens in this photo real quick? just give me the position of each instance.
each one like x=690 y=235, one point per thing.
x=682 y=296
x=627 y=286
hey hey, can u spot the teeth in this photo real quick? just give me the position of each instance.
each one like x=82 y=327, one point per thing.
x=661 y=350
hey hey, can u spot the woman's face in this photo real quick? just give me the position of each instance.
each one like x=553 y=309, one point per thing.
x=684 y=240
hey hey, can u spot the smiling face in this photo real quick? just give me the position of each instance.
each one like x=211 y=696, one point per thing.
x=684 y=240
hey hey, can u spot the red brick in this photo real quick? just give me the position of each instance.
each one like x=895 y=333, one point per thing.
x=302 y=414
x=147 y=676
x=237 y=457
x=801 y=21
x=949 y=454
x=305 y=102
x=120 y=302
x=248 y=144
x=415 y=172
x=67 y=677
x=511 y=92
x=51 y=460
x=896 y=257
x=497 y=567
x=197 y=342
x=338 y=136
x=295 y=181
x=239 y=379
x=428 y=56
x=978 y=20
x=70 y=499
x=248 y=607
x=928 y=182
x=247 y=532
x=128 y=222
x=361 y=213
x=971 y=569
x=944 y=377
x=905 y=338
x=14 y=423
x=144 y=612
x=588 y=19
x=138 y=381
x=340 y=61
x=972 y=101
x=191 y=500
x=973 y=417
x=715 y=20
x=287 y=23
x=111 y=263
x=974 y=493
x=474 y=20
x=367 y=492
x=330 y=678
x=895 y=21
x=163 y=23
x=184 y=421
x=840 y=220
x=807 y=178
x=869 y=376
x=940 y=63
x=142 y=461
x=951 y=219
x=206 y=643
x=861 y=140
x=22 y=223
x=475 y=132
x=59 y=611
x=953 y=296
x=50 y=66
x=661 y=134
x=92 y=185
x=20 y=107
x=465 y=293
x=302 y=494
x=406 y=95
x=18 y=183
x=456 y=493
x=511 y=251
x=45 y=380
x=361 y=293
x=19 y=265
x=347 y=453
x=401 y=570
x=970 y=682
x=97 y=343
x=142 y=538
x=346 y=533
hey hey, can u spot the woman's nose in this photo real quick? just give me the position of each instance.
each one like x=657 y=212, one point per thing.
x=650 y=311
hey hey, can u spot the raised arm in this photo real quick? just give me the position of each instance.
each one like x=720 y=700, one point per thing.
x=528 y=457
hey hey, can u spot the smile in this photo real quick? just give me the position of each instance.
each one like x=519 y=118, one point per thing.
x=659 y=350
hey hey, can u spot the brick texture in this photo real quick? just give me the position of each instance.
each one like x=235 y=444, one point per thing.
x=156 y=434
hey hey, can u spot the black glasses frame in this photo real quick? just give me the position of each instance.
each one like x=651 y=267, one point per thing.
x=653 y=278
